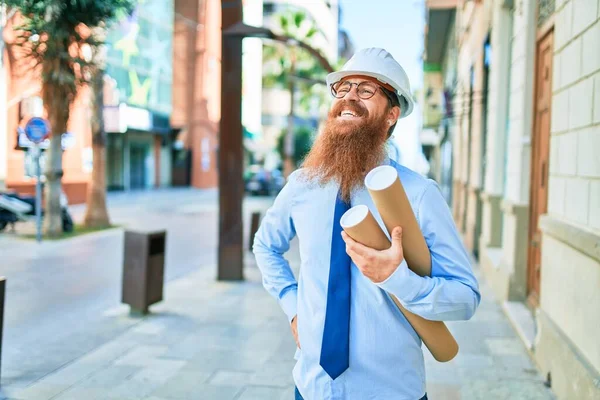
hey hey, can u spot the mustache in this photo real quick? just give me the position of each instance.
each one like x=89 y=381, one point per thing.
x=357 y=108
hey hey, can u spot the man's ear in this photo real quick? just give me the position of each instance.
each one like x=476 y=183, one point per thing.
x=393 y=115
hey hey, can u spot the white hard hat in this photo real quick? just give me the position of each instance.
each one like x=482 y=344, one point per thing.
x=379 y=64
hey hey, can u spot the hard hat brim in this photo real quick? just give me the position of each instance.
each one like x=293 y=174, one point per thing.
x=336 y=76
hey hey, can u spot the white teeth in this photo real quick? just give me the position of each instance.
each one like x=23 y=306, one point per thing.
x=348 y=113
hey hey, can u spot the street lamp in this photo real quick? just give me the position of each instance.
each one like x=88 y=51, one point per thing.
x=231 y=184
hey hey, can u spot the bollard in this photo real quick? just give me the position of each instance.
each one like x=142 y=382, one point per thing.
x=254 y=224
x=2 y=297
x=143 y=269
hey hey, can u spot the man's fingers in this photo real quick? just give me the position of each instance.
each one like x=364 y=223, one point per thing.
x=359 y=249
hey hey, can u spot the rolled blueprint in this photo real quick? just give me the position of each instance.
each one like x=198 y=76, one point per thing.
x=392 y=203
x=360 y=225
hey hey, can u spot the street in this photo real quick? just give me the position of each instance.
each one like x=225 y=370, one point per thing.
x=58 y=293
x=67 y=336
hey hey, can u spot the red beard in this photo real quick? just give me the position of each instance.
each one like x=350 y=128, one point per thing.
x=347 y=150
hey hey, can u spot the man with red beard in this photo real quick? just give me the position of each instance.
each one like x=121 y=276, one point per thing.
x=352 y=341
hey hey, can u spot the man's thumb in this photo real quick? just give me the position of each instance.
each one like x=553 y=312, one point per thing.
x=397 y=236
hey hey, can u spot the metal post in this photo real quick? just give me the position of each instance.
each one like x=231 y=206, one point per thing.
x=254 y=225
x=231 y=185
x=38 y=192
x=2 y=297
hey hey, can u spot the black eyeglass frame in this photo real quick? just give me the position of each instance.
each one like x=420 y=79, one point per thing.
x=392 y=98
x=334 y=91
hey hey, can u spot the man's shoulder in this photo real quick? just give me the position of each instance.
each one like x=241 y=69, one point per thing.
x=411 y=180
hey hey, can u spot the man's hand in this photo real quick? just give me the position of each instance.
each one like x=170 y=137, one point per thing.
x=374 y=264
x=295 y=330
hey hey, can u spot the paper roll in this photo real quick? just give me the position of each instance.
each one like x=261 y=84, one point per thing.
x=392 y=203
x=360 y=225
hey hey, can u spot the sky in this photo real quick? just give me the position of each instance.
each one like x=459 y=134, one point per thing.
x=395 y=25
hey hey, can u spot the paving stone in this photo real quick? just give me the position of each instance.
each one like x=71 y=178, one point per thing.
x=109 y=376
x=522 y=390
x=443 y=391
x=40 y=391
x=73 y=373
x=183 y=384
x=201 y=391
x=225 y=377
x=141 y=355
x=275 y=373
x=502 y=346
x=262 y=393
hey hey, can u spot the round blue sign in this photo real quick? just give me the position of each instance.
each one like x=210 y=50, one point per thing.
x=37 y=129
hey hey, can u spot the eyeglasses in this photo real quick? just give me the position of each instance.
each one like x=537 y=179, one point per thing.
x=365 y=90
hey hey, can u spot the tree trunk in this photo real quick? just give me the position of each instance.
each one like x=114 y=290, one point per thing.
x=96 y=215
x=289 y=165
x=54 y=172
x=58 y=97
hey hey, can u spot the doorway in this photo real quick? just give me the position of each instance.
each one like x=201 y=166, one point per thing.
x=540 y=153
x=137 y=165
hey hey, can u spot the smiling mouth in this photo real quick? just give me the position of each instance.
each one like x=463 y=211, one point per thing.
x=348 y=114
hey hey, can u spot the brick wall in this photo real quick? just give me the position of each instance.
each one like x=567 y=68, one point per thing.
x=575 y=139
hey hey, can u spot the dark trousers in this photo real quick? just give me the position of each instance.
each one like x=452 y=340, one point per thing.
x=297 y=396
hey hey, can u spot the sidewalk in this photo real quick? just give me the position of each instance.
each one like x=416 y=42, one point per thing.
x=215 y=340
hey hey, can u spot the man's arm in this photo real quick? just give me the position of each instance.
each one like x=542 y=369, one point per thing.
x=452 y=292
x=272 y=240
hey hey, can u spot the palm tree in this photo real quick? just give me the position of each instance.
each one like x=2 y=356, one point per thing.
x=288 y=64
x=53 y=35
x=96 y=214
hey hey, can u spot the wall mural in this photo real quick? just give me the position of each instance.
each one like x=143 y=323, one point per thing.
x=140 y=56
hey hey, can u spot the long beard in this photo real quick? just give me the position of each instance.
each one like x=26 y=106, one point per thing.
x=347 y=150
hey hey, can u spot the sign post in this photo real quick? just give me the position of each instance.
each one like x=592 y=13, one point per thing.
x=37 y=130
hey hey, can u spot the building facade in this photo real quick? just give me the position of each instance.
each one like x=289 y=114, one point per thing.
x=138 y=100
x=138 y=105
x=196 y=92
x=526 y=191
x=439 y=89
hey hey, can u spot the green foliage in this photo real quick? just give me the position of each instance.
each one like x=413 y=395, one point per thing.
x=283 y=60
x=54 y=32
x=303 y=141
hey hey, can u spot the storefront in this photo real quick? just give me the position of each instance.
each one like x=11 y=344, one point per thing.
x=138 y=148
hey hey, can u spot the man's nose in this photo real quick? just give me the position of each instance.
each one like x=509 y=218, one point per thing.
x=352 y=94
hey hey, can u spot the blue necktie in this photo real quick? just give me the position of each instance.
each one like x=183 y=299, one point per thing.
x=336 y=340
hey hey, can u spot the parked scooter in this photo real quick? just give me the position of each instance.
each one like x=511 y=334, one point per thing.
x=18 y=208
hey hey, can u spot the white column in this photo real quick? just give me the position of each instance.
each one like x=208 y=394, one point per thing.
x=521 y=104
x=498 y=99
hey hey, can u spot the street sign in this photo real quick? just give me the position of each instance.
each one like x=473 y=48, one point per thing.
x=37 y=129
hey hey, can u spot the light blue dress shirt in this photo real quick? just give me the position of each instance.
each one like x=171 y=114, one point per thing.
x=386 y=360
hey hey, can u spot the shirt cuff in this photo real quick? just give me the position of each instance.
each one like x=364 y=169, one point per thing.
x=289 y=303
x=403 y=283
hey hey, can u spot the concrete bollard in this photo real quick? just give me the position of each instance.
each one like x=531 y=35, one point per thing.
x=2 y=298
x=143 y=269
x=254 y=224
